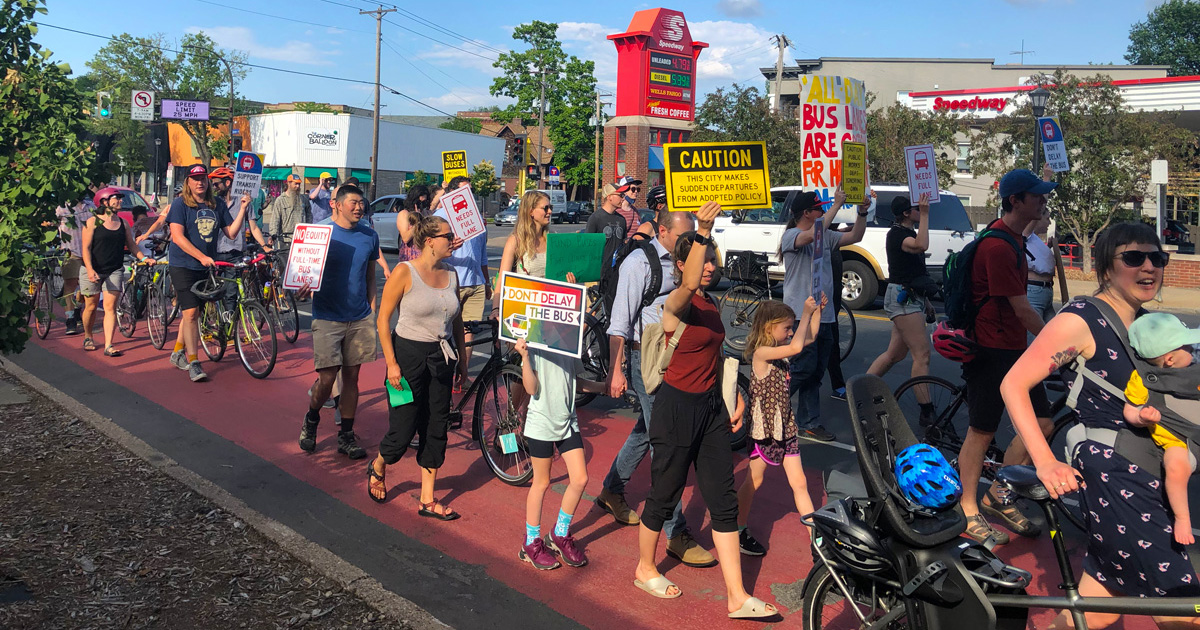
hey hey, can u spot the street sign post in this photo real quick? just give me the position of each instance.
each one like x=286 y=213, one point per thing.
x=553 y=180
x=141 y=105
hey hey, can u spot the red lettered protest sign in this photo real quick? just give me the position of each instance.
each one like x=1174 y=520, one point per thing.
x=832 y=111
x=465 y=220
x=306 y=258
x=922 y=172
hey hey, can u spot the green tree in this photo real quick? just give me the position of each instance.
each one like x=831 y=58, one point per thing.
x=1170 y=36
x=890 y=130
x=744 y=114
x=310 y=107
x=483 y=179
x=467 y=125
x=129 y=156
x=419 y=177
x=47 y=159
x=1110 y=149
x=129 y=63
x=570 y=88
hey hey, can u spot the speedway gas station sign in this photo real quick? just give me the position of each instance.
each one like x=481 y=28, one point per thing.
x=657 y=66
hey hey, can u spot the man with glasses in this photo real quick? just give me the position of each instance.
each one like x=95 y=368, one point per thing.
x=607 y=220
x=320 y=197
x=629 y=188
x=1003 y=317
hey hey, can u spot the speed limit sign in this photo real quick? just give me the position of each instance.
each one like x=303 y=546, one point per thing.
x=141 y=105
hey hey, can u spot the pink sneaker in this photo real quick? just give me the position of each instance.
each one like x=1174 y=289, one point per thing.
x=565 y=547
x=538 y=555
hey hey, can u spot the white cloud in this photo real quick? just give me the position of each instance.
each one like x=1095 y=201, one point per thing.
x=464 y=98
x=736 y=51
x=589 y=41
x=740 y=8
x=242 y=38
x=449 y=57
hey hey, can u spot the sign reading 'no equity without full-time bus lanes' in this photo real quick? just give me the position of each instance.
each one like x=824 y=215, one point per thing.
x=733 y=174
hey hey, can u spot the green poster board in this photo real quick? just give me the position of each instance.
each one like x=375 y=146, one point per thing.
x=581 y=254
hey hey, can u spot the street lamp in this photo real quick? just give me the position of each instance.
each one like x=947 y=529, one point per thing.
x=1037 y=102
x=157 y=176
x=228 y=69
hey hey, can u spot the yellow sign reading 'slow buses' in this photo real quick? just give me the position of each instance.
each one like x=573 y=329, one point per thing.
x=454 y=163
x=733 y=174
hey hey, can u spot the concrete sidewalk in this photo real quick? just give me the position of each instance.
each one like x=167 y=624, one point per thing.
x=1172 y=298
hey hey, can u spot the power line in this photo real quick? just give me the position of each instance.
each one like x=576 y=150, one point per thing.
x=446 y=31
x=420 y=34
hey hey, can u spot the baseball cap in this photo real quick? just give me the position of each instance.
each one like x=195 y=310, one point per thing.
x=900 y=205
x=626 y=182
x=806 y=201
x=1155 y=334
x=1023 y=180
x=326 y=175
x=197 y=170
x=610 y=189
x=293 y=177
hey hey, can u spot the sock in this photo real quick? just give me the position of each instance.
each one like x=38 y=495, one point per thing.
x=531 y=533
x=313 y=415
x=563 y=526
x=741 y=528
x=179 y=346
x=337 y=400
x=347 y=425
x=193 y=358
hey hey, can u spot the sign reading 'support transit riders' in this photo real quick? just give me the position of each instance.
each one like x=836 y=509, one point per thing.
x=545 y=313
x=733 y=174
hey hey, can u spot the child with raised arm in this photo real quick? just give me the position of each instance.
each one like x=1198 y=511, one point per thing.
x=550 y=423
x=772 y=423
x=1164 y=341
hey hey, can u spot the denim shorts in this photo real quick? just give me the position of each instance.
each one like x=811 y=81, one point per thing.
x=893 y=307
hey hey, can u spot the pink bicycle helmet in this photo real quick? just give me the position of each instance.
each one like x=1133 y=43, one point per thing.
x=953 y=343
x=104 y=193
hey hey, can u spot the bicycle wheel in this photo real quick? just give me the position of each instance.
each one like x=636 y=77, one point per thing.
x=127 y=310
x=825 y=606
x=500 y=410
x=172 y=305
x=737 y=313
x=42 y=309
x=156 y=320
x=847 y=330
x=56 y=280
x=287 y=316
x=212 y=331
x=1071 y=507
x=949 y=416
x=256 y=343
x=591 y=363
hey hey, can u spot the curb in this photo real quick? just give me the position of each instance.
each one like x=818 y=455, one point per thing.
x=329 y=564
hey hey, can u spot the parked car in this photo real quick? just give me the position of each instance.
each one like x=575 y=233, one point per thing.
x=865 y=267
x=1175 y=233
x=131 y=199
x=507 y=216
x=383 y=216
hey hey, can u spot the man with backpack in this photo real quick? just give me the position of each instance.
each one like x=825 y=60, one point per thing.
x=640 y=292
x=992 y=308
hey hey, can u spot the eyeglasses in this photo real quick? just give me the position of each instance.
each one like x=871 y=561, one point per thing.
x=634 y=189
x=1137 y=257
x=547 y=208
x=449 y=236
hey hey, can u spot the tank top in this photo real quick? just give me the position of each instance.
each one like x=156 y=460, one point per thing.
x=771 y=415
x=108 y=247
x=406 y=250
x=533 y=265
x=693 y=366
x=425 y=313
x=1098 y=408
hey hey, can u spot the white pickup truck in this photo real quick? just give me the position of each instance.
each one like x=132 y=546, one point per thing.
x=865 y=268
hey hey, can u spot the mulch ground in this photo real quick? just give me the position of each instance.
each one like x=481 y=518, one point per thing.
x=93 y=537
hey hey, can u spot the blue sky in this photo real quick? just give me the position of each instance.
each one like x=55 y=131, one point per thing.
x=329 y=37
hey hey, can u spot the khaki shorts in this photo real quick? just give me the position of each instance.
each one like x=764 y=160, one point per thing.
x=71 y=268
x=472 y=299
x=112 y=283
x=338 y=344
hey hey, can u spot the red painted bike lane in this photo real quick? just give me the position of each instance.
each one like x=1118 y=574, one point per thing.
x=264 y=417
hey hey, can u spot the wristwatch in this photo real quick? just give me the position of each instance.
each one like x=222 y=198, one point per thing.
x=703 y=240
x=863 y=214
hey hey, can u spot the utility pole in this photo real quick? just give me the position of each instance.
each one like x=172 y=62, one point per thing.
x=598 y=123
x=541 y=129
x=781 y=42
x=378 y=15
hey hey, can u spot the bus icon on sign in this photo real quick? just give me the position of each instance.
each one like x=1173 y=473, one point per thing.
x=460 y=203
x=921 y=159
x=247 y=163
x=1048 y=130
x=518 y=325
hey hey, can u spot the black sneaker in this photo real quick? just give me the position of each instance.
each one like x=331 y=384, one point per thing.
x=928 y=417
x=750 y=546
x=818 y=433
x=348 y=444
x=308 y=434
x=74 y=327
x=839 y=394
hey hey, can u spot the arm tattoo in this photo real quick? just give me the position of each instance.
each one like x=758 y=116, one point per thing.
x=1062 y=358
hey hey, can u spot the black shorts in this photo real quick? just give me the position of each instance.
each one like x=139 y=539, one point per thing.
x=182 y=279
x=545 y=448
x=983 y=376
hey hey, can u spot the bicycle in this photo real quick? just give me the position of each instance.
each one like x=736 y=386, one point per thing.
x=950 y=412
x=883 y=562
x=247 y=324
x=267 y=284
x=751 y=286
x=43 y=283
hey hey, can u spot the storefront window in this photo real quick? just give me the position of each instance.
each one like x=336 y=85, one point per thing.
x=620 y=150
x=964 y=157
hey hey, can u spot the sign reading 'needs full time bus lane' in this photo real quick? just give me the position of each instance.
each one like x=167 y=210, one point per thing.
x=733 y=174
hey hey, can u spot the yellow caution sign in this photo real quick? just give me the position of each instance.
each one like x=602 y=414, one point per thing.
x=454 y=164
x=733 y=174
x=854 y=172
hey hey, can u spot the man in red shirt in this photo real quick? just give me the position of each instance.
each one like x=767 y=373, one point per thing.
x=1004 y=317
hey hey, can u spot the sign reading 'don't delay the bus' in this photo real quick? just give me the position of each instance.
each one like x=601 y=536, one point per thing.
x=545 y=313
x=733 y=174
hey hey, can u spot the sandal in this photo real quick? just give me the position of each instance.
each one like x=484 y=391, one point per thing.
x=428 y=510
x=88 y=344
x=980 y=530
x=112 y=352
x=371 y=477
x=1010 y=516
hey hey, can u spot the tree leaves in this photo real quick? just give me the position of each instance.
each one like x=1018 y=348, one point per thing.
x=1170 y=36
x=890 y=130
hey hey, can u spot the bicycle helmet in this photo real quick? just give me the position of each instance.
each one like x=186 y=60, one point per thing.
x=221 y=173
x=209 y=289
x=953 y=343
x=926 y=478
x=656 y=197
x=848 y=538
x=103 y=194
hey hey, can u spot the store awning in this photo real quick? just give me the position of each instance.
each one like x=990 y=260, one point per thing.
x=655 y=163
x=314 y=172
x=363 y=175
x=276 y=172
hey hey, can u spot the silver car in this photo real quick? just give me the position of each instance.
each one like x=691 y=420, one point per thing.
x=508 y=216
x=383 y=215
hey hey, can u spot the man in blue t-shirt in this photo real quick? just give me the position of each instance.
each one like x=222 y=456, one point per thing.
x=343 y=325
x=321 y=196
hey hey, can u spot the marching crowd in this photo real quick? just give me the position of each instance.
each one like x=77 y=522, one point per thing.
x=684 y=412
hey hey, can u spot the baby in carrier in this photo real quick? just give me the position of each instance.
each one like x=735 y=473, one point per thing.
x=1166 y=399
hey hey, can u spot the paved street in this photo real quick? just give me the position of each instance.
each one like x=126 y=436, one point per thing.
x=241 y=434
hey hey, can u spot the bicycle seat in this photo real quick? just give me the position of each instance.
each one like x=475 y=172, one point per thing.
x=1024 y=481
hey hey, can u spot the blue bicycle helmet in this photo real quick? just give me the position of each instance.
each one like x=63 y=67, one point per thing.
x=926 y=478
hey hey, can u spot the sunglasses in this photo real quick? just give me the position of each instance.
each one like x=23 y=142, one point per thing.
x=1137 y=257
x=547 y=208
x=449 y=236
x=634 y=189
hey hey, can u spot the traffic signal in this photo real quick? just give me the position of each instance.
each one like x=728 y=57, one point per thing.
x=532 y=172
x=519 y=154
x=104 y=105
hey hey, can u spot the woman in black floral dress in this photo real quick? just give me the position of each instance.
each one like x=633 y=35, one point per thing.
x=1131 y=550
